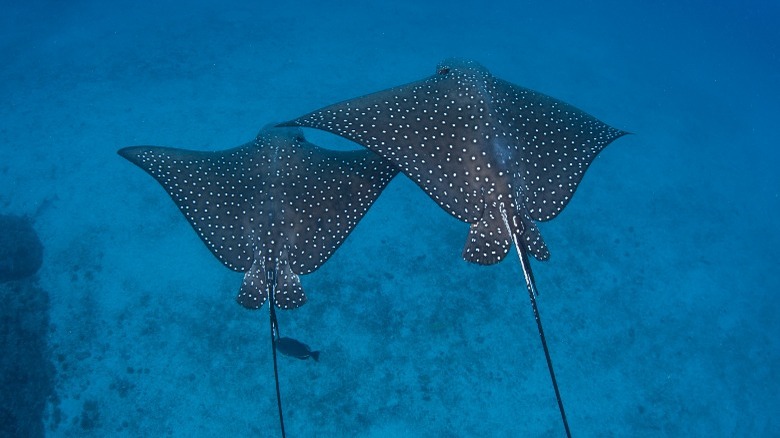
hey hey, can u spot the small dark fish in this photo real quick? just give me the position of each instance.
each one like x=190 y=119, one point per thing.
x=294 y=348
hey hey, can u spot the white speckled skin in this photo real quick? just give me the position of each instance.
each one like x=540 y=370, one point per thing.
x=277 y=203
x=473 y=143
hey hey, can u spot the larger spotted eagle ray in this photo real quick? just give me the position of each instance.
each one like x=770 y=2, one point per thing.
x=275 y=208
x=493 y=154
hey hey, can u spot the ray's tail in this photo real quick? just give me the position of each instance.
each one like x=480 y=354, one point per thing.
x=530 y=284
x=271 y=276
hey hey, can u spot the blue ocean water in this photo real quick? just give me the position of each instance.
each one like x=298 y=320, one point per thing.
x=659 y=300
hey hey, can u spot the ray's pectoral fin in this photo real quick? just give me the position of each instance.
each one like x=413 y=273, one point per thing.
x=288 y=292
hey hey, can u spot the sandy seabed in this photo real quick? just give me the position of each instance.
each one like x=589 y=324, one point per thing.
x=659 y=300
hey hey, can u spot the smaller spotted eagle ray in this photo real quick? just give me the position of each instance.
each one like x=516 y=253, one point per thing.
x=275 y=208
x=493 y=154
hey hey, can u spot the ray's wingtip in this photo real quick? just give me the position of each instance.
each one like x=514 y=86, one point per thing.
x=129 y=153
x=122 y=152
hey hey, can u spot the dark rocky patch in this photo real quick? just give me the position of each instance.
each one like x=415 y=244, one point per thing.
x=122 y=386
x=26 y=368
x=90 y=415
x=21 y=251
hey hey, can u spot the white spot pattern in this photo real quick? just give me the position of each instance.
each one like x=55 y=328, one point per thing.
x=277 y=203
x=470 y=141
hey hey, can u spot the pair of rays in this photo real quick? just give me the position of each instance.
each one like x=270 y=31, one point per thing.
x=495 y=155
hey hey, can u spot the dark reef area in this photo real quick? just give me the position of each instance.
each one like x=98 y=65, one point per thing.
x=21 y=251
x=26 y=370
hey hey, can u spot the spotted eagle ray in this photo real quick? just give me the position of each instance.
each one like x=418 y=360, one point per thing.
x=493 y=154
x=275 y=208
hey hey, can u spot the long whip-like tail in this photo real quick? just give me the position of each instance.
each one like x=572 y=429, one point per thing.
x=271 y=276
x=532 y=293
